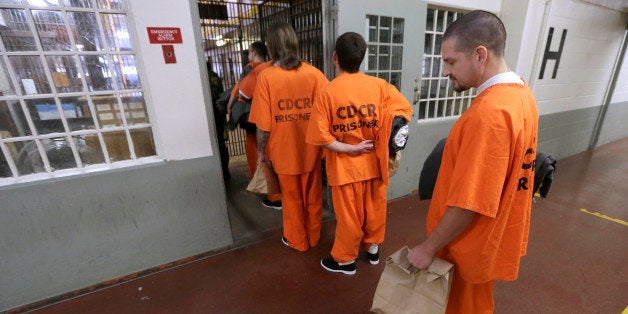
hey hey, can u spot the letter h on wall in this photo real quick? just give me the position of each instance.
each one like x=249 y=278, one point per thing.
x=552 y=55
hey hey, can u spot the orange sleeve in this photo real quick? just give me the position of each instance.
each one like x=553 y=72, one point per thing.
x=481 y=163
x=260 y=107
x=318 y=131
x=397 y=104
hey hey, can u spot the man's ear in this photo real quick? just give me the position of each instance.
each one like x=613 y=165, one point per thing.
x=334 y=58
x=481 y=54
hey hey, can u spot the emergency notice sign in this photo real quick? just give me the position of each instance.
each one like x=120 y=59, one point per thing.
x=164 y=35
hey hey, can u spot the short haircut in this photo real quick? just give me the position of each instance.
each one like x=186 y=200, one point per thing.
x=350 y=49
x=260 y=49
x=283 y=45
x=478 y=28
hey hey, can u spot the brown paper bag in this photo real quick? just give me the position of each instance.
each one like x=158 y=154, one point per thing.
x=404 y=289
x=264 y=180
x=393 y=163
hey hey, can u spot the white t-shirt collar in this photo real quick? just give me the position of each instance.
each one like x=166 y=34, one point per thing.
x=502 y=78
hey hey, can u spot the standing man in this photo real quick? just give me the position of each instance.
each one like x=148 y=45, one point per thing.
x=353 y=120
x=281 y=108
x=479 y=216
x=215 y=86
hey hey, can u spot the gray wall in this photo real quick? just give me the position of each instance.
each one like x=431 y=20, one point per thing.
x=615 y=125
x=74 y=232
x=567 y=133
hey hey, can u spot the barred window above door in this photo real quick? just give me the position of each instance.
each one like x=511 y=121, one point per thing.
x=70 y=93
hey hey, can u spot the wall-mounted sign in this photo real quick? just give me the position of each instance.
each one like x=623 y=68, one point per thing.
x=164 y=35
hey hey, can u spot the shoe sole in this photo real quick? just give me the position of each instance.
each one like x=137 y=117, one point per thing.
x=374 y=262
x=346 y=272
x=273 y=207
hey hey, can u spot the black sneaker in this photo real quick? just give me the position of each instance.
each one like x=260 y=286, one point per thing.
x=373 y=257
x=333 y=266
x=274 y=205
x=285 y=241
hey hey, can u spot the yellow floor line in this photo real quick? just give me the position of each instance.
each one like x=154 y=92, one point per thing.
x=619 y=221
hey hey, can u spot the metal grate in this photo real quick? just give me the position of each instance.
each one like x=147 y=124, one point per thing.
x=438 y=99
x=229 y=28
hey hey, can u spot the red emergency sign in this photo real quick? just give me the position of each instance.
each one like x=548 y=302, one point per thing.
x=164 y=35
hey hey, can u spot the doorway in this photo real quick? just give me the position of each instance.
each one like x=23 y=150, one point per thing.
x=228 y=28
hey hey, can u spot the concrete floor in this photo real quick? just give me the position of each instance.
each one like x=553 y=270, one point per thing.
x=577 y=258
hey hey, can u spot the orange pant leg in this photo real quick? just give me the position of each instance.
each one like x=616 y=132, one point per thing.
x=251 y=153
x=302 y=208
x=466 y=297
x=360 y=217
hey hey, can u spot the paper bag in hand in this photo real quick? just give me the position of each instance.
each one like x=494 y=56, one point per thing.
x=264 y=180
x=404 y=289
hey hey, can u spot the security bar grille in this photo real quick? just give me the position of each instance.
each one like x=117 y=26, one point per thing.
x=229 y=27
x=70 y=94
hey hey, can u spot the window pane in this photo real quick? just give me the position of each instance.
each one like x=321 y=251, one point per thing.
x=59 y=153
x=106 y=110
x=371 y=21
x=5 y=171
x=29 y=71
x=385 y=29
x=12 y=120
x=427 y=66
x=117 y=32
x=84 y=26
x=143 y=142
x=436 y=67
x=384 y=58
x=429 y=23
x=126 y=72
x=17 y=36
x=111 y=4
x=397 y=54
x=439 y=39
x=80 y=118
x=46 y=3
x=79 y=3
x=65 y=74
x=46 y=117
x=117 y=145
x=28 y=159
x=440 y=20
x=398 y=24
x=134 y=108
x=372 y=58
x=51 y=30
x=395 y=79
x=89 y=150
x=6 y=85
x=428 y=44
x=98 y=76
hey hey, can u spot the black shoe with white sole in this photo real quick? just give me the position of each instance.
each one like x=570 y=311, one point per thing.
x=373 y=257
x=333 y=266
x=274 y=205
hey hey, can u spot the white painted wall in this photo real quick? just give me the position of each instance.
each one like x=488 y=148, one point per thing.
x=175 y=93
x=621 y=86
x=592 y=43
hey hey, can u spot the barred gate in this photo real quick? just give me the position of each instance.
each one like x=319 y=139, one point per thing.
x=228 y=28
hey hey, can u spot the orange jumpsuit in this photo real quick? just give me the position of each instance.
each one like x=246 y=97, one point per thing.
x=352 y=108
x=282 y=105
x=488 y=167
x=249 y=87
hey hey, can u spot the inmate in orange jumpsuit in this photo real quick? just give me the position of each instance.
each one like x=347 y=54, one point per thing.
x=282 y=105
x=487 y=167
x=352 y=108
x=244 y=90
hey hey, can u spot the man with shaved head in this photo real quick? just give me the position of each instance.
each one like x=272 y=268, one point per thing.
x=479 y=216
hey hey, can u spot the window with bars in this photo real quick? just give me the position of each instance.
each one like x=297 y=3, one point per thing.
x=70 y=94
x=438 y=99
x=384 y=47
